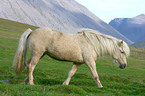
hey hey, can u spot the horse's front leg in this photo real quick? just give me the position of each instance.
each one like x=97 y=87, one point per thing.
x=71 y=73
x=92 y=67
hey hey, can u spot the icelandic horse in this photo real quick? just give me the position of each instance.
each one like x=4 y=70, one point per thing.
x=81 y=48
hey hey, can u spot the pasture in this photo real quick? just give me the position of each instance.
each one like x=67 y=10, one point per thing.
x=49 y=74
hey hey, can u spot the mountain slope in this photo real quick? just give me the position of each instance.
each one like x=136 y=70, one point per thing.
x=67 y=16
x=132 y=28
x=139 y=44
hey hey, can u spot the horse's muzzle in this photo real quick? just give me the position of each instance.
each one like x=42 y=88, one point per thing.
x=122 y=66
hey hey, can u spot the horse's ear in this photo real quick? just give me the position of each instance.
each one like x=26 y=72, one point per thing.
x=80 y=32
x=120 y=43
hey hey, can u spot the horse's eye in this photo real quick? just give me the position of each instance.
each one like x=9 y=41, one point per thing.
x=122 y=52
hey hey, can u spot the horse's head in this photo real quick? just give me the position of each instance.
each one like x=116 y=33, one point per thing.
x=119 y=57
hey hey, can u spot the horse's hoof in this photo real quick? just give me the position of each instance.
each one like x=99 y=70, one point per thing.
x=100 y=86
x=31 y=83
x=64 y=83
x=27 y=82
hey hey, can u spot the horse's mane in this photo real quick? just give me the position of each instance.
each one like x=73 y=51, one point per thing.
x=104 y=44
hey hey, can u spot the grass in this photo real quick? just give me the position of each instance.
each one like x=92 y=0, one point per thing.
x=49 y=74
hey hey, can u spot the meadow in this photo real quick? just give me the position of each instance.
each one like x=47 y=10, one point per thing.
x=49 y=74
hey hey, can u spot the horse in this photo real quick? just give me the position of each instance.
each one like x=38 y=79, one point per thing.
x=83 y=47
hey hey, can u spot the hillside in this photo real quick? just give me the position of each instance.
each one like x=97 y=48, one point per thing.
x=49 y=73
x=63 y=15
x=139 y=44
x=132 y=28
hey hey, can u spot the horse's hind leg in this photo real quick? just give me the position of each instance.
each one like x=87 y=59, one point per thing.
x=27 y=65
x=71 y=73
x=92 y=67
x=30 y=67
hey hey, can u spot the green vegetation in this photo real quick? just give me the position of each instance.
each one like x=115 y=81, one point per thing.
x=49 y=74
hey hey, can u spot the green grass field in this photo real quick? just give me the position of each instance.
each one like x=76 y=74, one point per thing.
x=49 y=74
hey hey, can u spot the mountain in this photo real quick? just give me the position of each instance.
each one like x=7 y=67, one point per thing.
x=132 y=28
x=67 y=16
x=139 y=44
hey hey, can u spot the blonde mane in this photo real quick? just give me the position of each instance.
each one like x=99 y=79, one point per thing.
x=104 y=44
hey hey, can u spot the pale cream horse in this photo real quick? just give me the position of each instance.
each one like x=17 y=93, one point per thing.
x=80 y=48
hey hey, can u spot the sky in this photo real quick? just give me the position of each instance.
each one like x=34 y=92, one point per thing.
x=110 y=9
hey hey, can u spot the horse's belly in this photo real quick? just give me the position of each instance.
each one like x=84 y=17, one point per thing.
x=66 y=54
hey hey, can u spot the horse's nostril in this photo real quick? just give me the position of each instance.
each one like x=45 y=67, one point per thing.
x=122 y=66
x=125 y=65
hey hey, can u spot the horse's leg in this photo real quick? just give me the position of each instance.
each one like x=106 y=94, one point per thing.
x=92 y=67
x=27 y=65
x=31 y=66
x=71 y=73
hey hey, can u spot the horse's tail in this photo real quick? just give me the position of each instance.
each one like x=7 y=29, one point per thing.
x=20 y=56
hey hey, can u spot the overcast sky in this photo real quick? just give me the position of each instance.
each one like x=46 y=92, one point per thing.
x=110 y=9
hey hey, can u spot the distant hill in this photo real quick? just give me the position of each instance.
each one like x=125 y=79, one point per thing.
x=132 y=28
x=139 y=44
x=67 y=16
